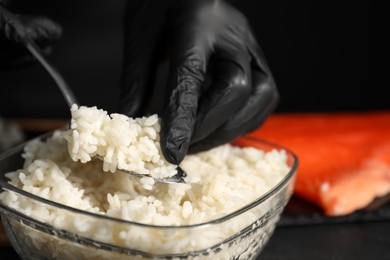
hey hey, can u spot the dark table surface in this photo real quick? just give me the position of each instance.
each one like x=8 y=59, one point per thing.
x=339 y=241
x=305 y=233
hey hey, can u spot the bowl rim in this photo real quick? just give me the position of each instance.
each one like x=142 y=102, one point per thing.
x=288 y=177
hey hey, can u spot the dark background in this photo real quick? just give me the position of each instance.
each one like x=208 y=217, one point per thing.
x=324 y=55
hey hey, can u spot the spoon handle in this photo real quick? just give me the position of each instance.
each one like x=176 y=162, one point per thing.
x=61 y=83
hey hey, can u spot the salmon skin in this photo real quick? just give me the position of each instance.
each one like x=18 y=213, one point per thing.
x=344 y=157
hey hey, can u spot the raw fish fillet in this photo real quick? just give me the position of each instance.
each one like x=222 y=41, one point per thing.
x=344 y=158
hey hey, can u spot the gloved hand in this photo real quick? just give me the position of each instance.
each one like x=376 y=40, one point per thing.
x=219 y=84
x=17 y=28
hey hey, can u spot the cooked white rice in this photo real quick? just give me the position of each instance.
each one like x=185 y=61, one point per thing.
x=131 y=144
x=219 y=182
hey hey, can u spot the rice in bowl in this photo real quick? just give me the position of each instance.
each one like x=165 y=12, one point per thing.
x=191 y=219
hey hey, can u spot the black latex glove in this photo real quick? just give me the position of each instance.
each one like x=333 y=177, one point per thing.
x=219 y=85
x=17 y=28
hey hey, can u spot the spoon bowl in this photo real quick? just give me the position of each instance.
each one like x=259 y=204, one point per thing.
x=70 y=99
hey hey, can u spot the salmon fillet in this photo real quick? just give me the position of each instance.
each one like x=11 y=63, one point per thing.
x=344 y=158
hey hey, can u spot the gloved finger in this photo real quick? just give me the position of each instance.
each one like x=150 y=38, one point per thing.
x=44 y=31
x=186 y=81
x=261 y=103
x=263 y=100
x=140 y=57
x=229 y=91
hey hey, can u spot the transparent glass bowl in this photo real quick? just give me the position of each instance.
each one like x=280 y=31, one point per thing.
x=34 y=239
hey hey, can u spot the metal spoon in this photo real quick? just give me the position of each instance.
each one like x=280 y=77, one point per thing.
x=70 y=100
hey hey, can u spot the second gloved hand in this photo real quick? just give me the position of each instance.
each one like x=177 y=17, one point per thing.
x=15 y=29
x=219 y=85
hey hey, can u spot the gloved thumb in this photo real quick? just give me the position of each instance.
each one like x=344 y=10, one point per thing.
x=186 y=82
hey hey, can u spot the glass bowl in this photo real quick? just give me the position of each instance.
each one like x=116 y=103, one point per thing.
x=35 y=239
